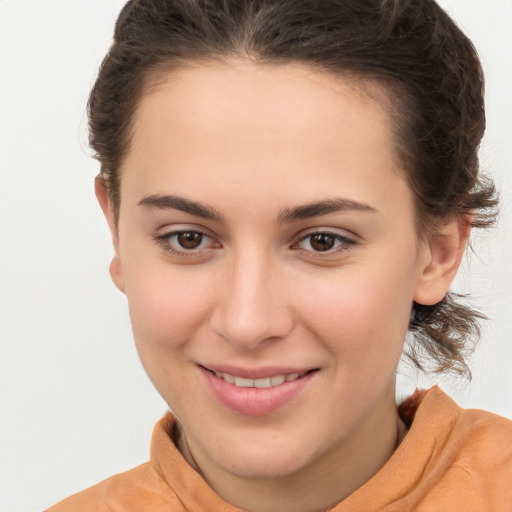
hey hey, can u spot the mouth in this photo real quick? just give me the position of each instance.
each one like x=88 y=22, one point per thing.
x=257 y=392
x=261 y=383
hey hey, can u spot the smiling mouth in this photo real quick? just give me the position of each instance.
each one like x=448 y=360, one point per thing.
x=266 y=382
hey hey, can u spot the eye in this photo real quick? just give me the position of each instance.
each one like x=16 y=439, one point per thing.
x=324 y=241
x=185 y=242
x=189 y=239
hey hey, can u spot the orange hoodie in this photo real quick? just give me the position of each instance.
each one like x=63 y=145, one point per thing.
x=451 y=460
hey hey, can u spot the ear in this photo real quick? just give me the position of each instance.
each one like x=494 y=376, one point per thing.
x=443 y=255
x=116 y=269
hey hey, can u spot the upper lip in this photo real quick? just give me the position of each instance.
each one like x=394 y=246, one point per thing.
x=257 y=373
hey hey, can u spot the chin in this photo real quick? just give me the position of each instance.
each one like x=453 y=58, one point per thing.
x=262 y=462
x=272 y=468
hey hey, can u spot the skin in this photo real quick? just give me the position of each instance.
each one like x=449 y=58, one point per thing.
x=253 y=142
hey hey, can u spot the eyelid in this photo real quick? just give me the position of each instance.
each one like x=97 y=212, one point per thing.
x=348 y=241
x=337 y=232
x=163 y=238
x=166 y=229
x=164 y=235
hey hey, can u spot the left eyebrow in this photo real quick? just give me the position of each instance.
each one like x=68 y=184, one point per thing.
x=318 y=208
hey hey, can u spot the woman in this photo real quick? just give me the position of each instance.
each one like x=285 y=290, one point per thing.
x=290 y=188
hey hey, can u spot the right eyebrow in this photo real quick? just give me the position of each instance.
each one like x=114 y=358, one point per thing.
x=171 y=202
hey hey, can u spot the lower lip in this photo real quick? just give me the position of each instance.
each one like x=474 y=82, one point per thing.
x=255 y=401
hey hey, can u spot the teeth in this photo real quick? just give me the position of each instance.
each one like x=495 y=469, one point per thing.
x=227 y=377
x=241 y=382
x=277 y=380
x=262 y=383
x=266 y=382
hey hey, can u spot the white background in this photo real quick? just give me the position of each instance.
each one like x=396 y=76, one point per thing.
x=75 y=404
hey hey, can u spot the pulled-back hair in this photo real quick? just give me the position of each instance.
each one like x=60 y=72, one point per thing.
x=429 y=68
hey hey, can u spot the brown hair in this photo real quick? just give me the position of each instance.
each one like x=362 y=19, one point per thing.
x=412 y=47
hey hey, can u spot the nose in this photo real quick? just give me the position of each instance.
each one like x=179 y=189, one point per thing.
x=252 y=306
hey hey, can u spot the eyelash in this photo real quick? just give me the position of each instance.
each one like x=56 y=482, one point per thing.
x=165 y=241
x=345 y=243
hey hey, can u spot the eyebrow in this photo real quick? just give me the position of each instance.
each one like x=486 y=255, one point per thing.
x=286 y=215
x=170 y=202
x=324 y=207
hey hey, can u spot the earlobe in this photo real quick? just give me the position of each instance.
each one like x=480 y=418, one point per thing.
x=116 y=272
x=443 y=255
x=116 y=269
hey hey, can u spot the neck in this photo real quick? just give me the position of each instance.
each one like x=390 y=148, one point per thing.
x=322 y=484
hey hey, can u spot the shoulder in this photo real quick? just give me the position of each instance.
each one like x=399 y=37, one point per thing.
x=485 y=441
x=471 y=428
x=165 y=483
x=140 y=488
x=469 y=458
x=469 y=434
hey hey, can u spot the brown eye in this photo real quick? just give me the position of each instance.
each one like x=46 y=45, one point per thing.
x=189 y=239
x=325 y=241
x=186 y=243
x=322 y=242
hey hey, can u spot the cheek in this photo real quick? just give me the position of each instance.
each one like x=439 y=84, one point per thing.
x=166 y=305
x=167 y=310
x=362 y=315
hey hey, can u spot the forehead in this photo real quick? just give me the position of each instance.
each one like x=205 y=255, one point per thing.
x=270 y=97
x=264 y=127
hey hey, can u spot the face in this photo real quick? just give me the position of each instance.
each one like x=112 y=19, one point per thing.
x=267 y=247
